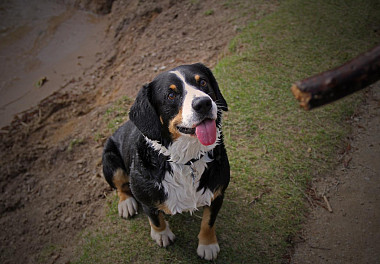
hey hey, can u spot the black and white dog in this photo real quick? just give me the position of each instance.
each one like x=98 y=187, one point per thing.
x=170 y=157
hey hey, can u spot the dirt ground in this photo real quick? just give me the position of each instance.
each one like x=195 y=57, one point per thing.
x=351 y=233
x=50 y=165
x=50 y=155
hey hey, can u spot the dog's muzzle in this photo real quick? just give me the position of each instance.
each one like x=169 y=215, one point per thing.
x=202 y=105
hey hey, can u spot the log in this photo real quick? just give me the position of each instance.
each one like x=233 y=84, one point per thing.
x=334 y=84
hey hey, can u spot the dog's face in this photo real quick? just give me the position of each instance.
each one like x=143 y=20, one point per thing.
x=184 y=101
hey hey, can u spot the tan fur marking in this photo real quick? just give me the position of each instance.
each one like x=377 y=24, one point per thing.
x=162 y=121
x=173 y=125
x=164 y=208
x=121 y=180
x=173 y=87
x=122 y=196
x=162 y=226
x=197 y=77
x=217 y=193
x=207 y=235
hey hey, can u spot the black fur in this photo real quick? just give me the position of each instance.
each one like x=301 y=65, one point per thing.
x=144 y=115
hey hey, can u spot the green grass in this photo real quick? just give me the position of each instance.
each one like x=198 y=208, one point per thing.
x=117 y=114
x=114 y=117
x=209 y=12
x=74 y=142
x=275 y=148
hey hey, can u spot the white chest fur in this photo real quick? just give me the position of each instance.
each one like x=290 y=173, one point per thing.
x=181 y=187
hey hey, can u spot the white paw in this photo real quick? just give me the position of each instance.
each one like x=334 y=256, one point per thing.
x=208 y=252
x=163 y=238
x=128 y=207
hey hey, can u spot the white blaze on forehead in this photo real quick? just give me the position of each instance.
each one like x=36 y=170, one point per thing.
x=190 y=89
x=191 y=92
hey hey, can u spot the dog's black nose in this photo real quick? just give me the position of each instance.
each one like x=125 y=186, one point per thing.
x=201 y=104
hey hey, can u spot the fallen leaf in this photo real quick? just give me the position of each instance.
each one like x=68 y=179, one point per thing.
x=41 y=82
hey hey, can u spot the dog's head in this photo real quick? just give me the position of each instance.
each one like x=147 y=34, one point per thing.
x=182 y=102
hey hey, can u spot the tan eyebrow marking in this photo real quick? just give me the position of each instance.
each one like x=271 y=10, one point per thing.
x=173 y=87
x=197 y=77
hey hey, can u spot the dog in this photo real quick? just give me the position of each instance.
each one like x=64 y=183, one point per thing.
x=170 y=156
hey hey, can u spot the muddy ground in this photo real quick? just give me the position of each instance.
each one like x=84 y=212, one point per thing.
x=50 y=176
x=50 y=172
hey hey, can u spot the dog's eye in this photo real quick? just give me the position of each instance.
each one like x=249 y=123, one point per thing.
x=171 y=96
x=203 y=83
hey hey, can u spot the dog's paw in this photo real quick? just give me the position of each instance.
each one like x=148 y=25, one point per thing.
x=128 y=207
x=208 y=252
x=163 y=238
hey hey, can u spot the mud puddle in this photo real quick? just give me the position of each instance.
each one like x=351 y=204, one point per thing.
x=43 y=46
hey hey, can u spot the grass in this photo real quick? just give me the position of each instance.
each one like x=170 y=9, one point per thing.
x=114 y=117
x=75 y=142
x=275 y=148
x=117 y=114
x=209 y=12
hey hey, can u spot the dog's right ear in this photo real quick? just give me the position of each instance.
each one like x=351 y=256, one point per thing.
x=144 y=116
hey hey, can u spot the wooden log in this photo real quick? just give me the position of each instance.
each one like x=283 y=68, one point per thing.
x=334 y=84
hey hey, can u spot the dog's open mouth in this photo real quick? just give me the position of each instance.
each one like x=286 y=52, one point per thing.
x=185 y=130
x=205 y=131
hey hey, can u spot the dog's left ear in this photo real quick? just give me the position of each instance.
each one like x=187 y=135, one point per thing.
x=220 y=101
x=143 y=114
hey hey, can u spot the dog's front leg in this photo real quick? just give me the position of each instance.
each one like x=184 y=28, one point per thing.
x=127 y=204
x=159 y=228
x=208 y=247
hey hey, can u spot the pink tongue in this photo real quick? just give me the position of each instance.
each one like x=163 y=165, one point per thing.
x=206 y=132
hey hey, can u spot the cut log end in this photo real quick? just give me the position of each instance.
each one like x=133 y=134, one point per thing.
x=339 y=82
x=301 y=96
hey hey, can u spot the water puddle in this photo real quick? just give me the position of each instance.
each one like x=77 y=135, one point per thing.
x=43 y=45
